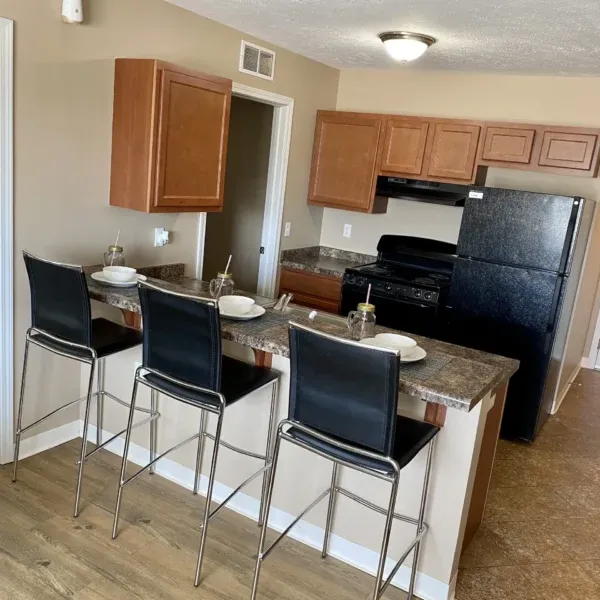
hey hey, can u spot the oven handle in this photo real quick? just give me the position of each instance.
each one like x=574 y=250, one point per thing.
x=403 y=301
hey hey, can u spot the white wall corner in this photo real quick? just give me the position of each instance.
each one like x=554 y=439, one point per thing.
x=6 y=242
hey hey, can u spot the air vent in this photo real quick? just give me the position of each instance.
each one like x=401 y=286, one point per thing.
x=257 y=61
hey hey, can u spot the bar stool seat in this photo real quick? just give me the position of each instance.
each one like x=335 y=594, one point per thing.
x=411 y=437
x=107 y=338
x=238 y=379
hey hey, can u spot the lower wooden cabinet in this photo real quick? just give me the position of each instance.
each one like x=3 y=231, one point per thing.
x=313 y=290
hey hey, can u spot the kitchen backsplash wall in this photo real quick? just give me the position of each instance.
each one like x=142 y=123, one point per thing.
x=403 y=217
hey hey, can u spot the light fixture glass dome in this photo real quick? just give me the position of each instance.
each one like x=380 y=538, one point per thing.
x=403 y=46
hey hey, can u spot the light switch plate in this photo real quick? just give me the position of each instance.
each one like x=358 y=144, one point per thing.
x=287 y=230
x=161 y=237
x=347 y=230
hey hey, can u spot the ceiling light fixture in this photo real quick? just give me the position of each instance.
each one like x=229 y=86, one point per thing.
x=404 y=46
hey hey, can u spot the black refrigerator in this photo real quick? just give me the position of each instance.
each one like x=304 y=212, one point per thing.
x=520 y=256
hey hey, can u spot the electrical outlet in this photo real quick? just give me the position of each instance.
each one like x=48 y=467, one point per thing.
x=287 y=230
x=161 y=237
x=347 y=230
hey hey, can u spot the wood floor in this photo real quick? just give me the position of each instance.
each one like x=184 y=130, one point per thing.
x=47 y=554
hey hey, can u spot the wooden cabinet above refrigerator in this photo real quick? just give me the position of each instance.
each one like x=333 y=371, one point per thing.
x=352 y=149
x=170 y=128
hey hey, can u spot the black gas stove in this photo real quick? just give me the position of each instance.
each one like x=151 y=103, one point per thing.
x=409 y=283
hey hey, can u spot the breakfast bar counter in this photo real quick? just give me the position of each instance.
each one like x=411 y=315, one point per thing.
x=459 y=389
x=460 y=379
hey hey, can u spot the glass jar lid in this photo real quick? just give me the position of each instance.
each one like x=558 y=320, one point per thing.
x=224 y=275
x=364 y=307
x=115 y=248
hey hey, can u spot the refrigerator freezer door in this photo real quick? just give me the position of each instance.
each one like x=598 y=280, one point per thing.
x=508 y=311
x=518 y=228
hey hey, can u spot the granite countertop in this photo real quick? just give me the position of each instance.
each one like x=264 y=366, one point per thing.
x=458 y=378
x=323 y=260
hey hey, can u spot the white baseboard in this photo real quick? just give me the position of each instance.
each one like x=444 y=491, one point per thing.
x=49 y=439
x=563 y=393
x=349 y=552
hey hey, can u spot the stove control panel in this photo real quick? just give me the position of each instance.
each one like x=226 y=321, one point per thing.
x=392 y=290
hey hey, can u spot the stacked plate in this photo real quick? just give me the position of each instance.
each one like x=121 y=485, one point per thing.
x=409 y=351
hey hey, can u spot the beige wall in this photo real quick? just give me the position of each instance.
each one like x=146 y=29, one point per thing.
x=238 y=229
x=63 y=115
x=559 y=100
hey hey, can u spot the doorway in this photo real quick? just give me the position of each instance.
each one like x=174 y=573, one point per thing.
x=269 y=234
x=6 y=242
x=238 y=229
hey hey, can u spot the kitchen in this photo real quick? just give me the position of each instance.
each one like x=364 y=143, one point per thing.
x=500 y=97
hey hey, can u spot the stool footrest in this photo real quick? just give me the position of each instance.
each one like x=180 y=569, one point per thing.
x=289 y=527
x=237 y=489
x=153 y=462
x=376 y=508
x=114 y=437
x=210 y=436
x=397 y=566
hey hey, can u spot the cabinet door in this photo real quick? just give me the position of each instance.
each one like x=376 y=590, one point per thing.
x=345 y=160
x=564 y=150
x=453 y=151
x=509 y=145
x=193 y=124
x=404 y=146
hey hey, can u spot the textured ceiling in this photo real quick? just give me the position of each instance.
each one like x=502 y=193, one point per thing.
x=553 y=37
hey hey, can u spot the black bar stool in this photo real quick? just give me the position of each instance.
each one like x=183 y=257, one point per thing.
x=183 y=360
x=61 y=322
x=343 y=406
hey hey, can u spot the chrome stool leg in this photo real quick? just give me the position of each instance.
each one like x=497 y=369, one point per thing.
x=20 y=412
x=209 y=491
x=153 y=428
x=330 y=508
x=415 y=566
x=386 y=537
x=260 y=556
x=86 y=422
x=270 y=436
x=200 y=451
x=100 y=400
x=124 y=462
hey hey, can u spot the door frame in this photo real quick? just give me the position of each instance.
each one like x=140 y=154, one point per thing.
x=6 y=242
x=281 y=134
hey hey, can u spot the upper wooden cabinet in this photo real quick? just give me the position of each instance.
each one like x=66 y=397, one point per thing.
x=508 y=144
x=170 y=128
x=404 y=146
x=566 y=150
x=345 y=160
x=572 y=150
x=453 y=151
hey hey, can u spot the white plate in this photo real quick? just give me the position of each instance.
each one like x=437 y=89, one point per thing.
x=101 y=278
x=255 y=312
x=417 y=354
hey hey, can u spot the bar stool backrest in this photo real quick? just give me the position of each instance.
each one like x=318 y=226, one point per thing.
x=344 y=389
x=182 y=336
x=60 y=301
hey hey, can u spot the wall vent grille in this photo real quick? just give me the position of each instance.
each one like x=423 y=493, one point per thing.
x=257 y=61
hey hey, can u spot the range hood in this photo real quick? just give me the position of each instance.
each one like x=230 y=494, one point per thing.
x=433 y=192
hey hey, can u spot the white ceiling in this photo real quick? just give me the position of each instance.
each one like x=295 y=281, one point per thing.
x=552 y=37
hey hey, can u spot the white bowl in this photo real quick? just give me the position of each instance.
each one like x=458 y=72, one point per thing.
x=404 y=344
x=120 y=274
x=236 y=305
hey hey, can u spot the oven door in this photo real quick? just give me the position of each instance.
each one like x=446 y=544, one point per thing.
x=402 y=314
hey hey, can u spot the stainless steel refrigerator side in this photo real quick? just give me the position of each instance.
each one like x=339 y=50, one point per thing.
x=571 y=283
